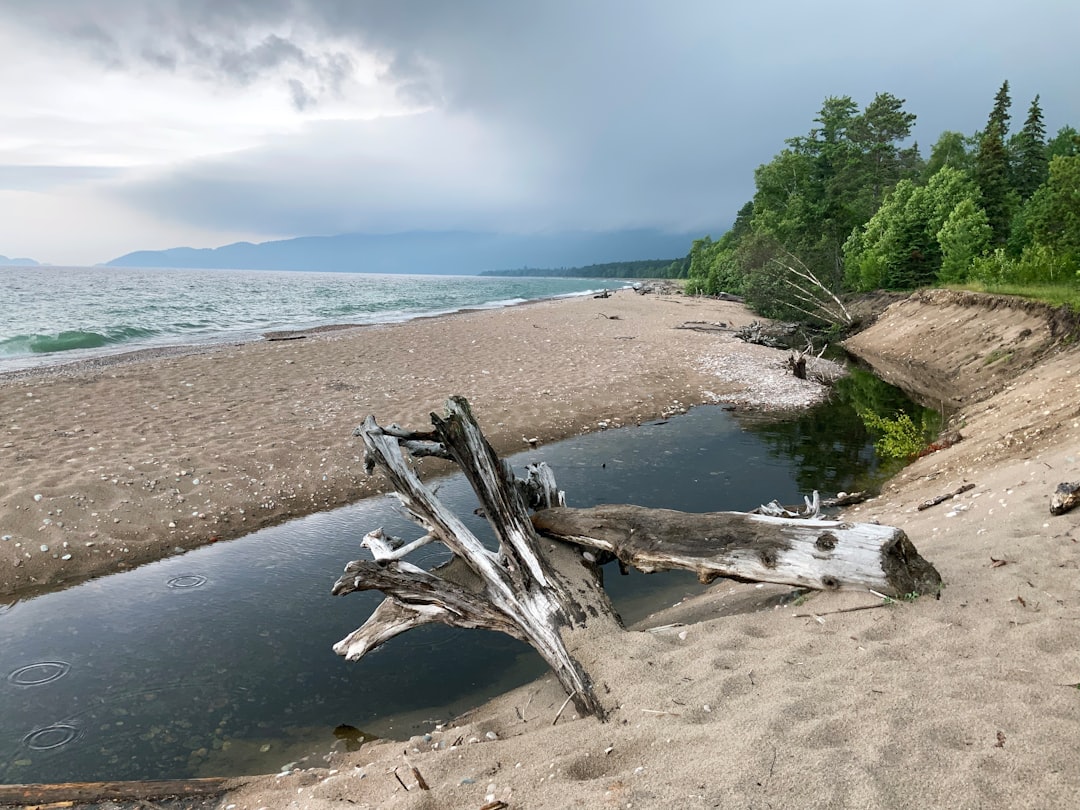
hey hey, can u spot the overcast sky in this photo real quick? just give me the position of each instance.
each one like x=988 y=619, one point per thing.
x=132 y=124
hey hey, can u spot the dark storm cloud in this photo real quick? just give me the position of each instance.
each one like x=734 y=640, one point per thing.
x=212 y=41
x=595 y=114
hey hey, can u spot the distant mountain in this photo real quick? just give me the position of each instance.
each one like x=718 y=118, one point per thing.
x=6 y=262
x=437 y=252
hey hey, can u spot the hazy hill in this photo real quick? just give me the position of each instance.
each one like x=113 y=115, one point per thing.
x=458 y=252
x=20 y=262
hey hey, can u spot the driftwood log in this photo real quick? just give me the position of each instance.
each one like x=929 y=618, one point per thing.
x=517 y=589
x=820 y=554
x=70 y=793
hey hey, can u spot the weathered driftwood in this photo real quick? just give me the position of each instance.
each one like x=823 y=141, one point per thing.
x=68 y=793
x=826 y=555
x=774 y=335
x=517 y=590
x=797 y=364
x=705 y=326
x=845 y=499
x=948 y=496
x=513 y=590
x=812 y=509
x=1065 y=497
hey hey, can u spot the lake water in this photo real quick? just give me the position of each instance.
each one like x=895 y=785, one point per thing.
x=59 y=314
x=219 y=661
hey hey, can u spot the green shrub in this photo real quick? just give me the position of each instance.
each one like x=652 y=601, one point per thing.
x=898 y=438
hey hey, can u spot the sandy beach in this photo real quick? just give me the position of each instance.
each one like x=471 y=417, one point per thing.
x=746 y=698
x=742 y=697
x=112 y=464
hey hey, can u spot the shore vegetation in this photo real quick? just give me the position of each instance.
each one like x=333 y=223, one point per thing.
x=854 y=202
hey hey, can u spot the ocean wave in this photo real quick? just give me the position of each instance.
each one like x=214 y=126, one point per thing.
x=71 y=340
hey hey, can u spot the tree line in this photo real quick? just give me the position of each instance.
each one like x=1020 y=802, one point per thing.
x=643 y=268
x=850 y=206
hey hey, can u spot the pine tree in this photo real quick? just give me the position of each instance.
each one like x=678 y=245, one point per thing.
x=999 y=116
x=1029 y=153
x=992 y=172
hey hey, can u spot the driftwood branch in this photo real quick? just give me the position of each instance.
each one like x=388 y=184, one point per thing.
x=947 y=496
x=826 y=555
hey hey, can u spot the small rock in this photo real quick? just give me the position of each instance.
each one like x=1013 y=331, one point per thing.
x=44 y=547
x=37 y=497
x=491 y=735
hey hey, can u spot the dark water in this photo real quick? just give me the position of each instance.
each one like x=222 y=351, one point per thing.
x=219 y=661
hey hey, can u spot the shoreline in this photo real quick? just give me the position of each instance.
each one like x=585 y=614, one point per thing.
x=59 y=363
x=114 y=464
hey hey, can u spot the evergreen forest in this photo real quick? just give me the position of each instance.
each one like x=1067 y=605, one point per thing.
x=853 y=206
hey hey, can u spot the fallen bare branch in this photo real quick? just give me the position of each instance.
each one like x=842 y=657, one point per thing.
x=558 y=714
x=841 y=610
x=945 y=497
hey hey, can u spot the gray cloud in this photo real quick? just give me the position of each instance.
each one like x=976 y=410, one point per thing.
x=558 y=113
x=211 y=41
x=48 y=178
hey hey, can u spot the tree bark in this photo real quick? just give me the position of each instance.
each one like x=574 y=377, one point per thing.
x=825 y=555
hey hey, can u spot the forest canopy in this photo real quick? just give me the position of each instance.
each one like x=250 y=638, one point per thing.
x=853 y=206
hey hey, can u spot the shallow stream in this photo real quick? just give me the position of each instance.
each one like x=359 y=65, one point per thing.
x=219 y=661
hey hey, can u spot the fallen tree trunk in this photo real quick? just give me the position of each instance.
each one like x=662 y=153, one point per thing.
x=825 y=555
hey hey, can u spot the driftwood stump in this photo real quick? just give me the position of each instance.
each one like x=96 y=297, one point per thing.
x=515 y=590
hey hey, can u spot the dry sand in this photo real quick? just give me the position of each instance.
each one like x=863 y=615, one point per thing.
x=967 y=701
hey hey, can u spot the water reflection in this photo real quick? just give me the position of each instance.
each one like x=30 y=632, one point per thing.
x=830 y=446
x=219 y=661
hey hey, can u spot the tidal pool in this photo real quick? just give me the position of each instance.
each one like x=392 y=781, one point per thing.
x=219 y=661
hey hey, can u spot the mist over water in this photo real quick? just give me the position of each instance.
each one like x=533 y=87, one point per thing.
x=60 y=314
